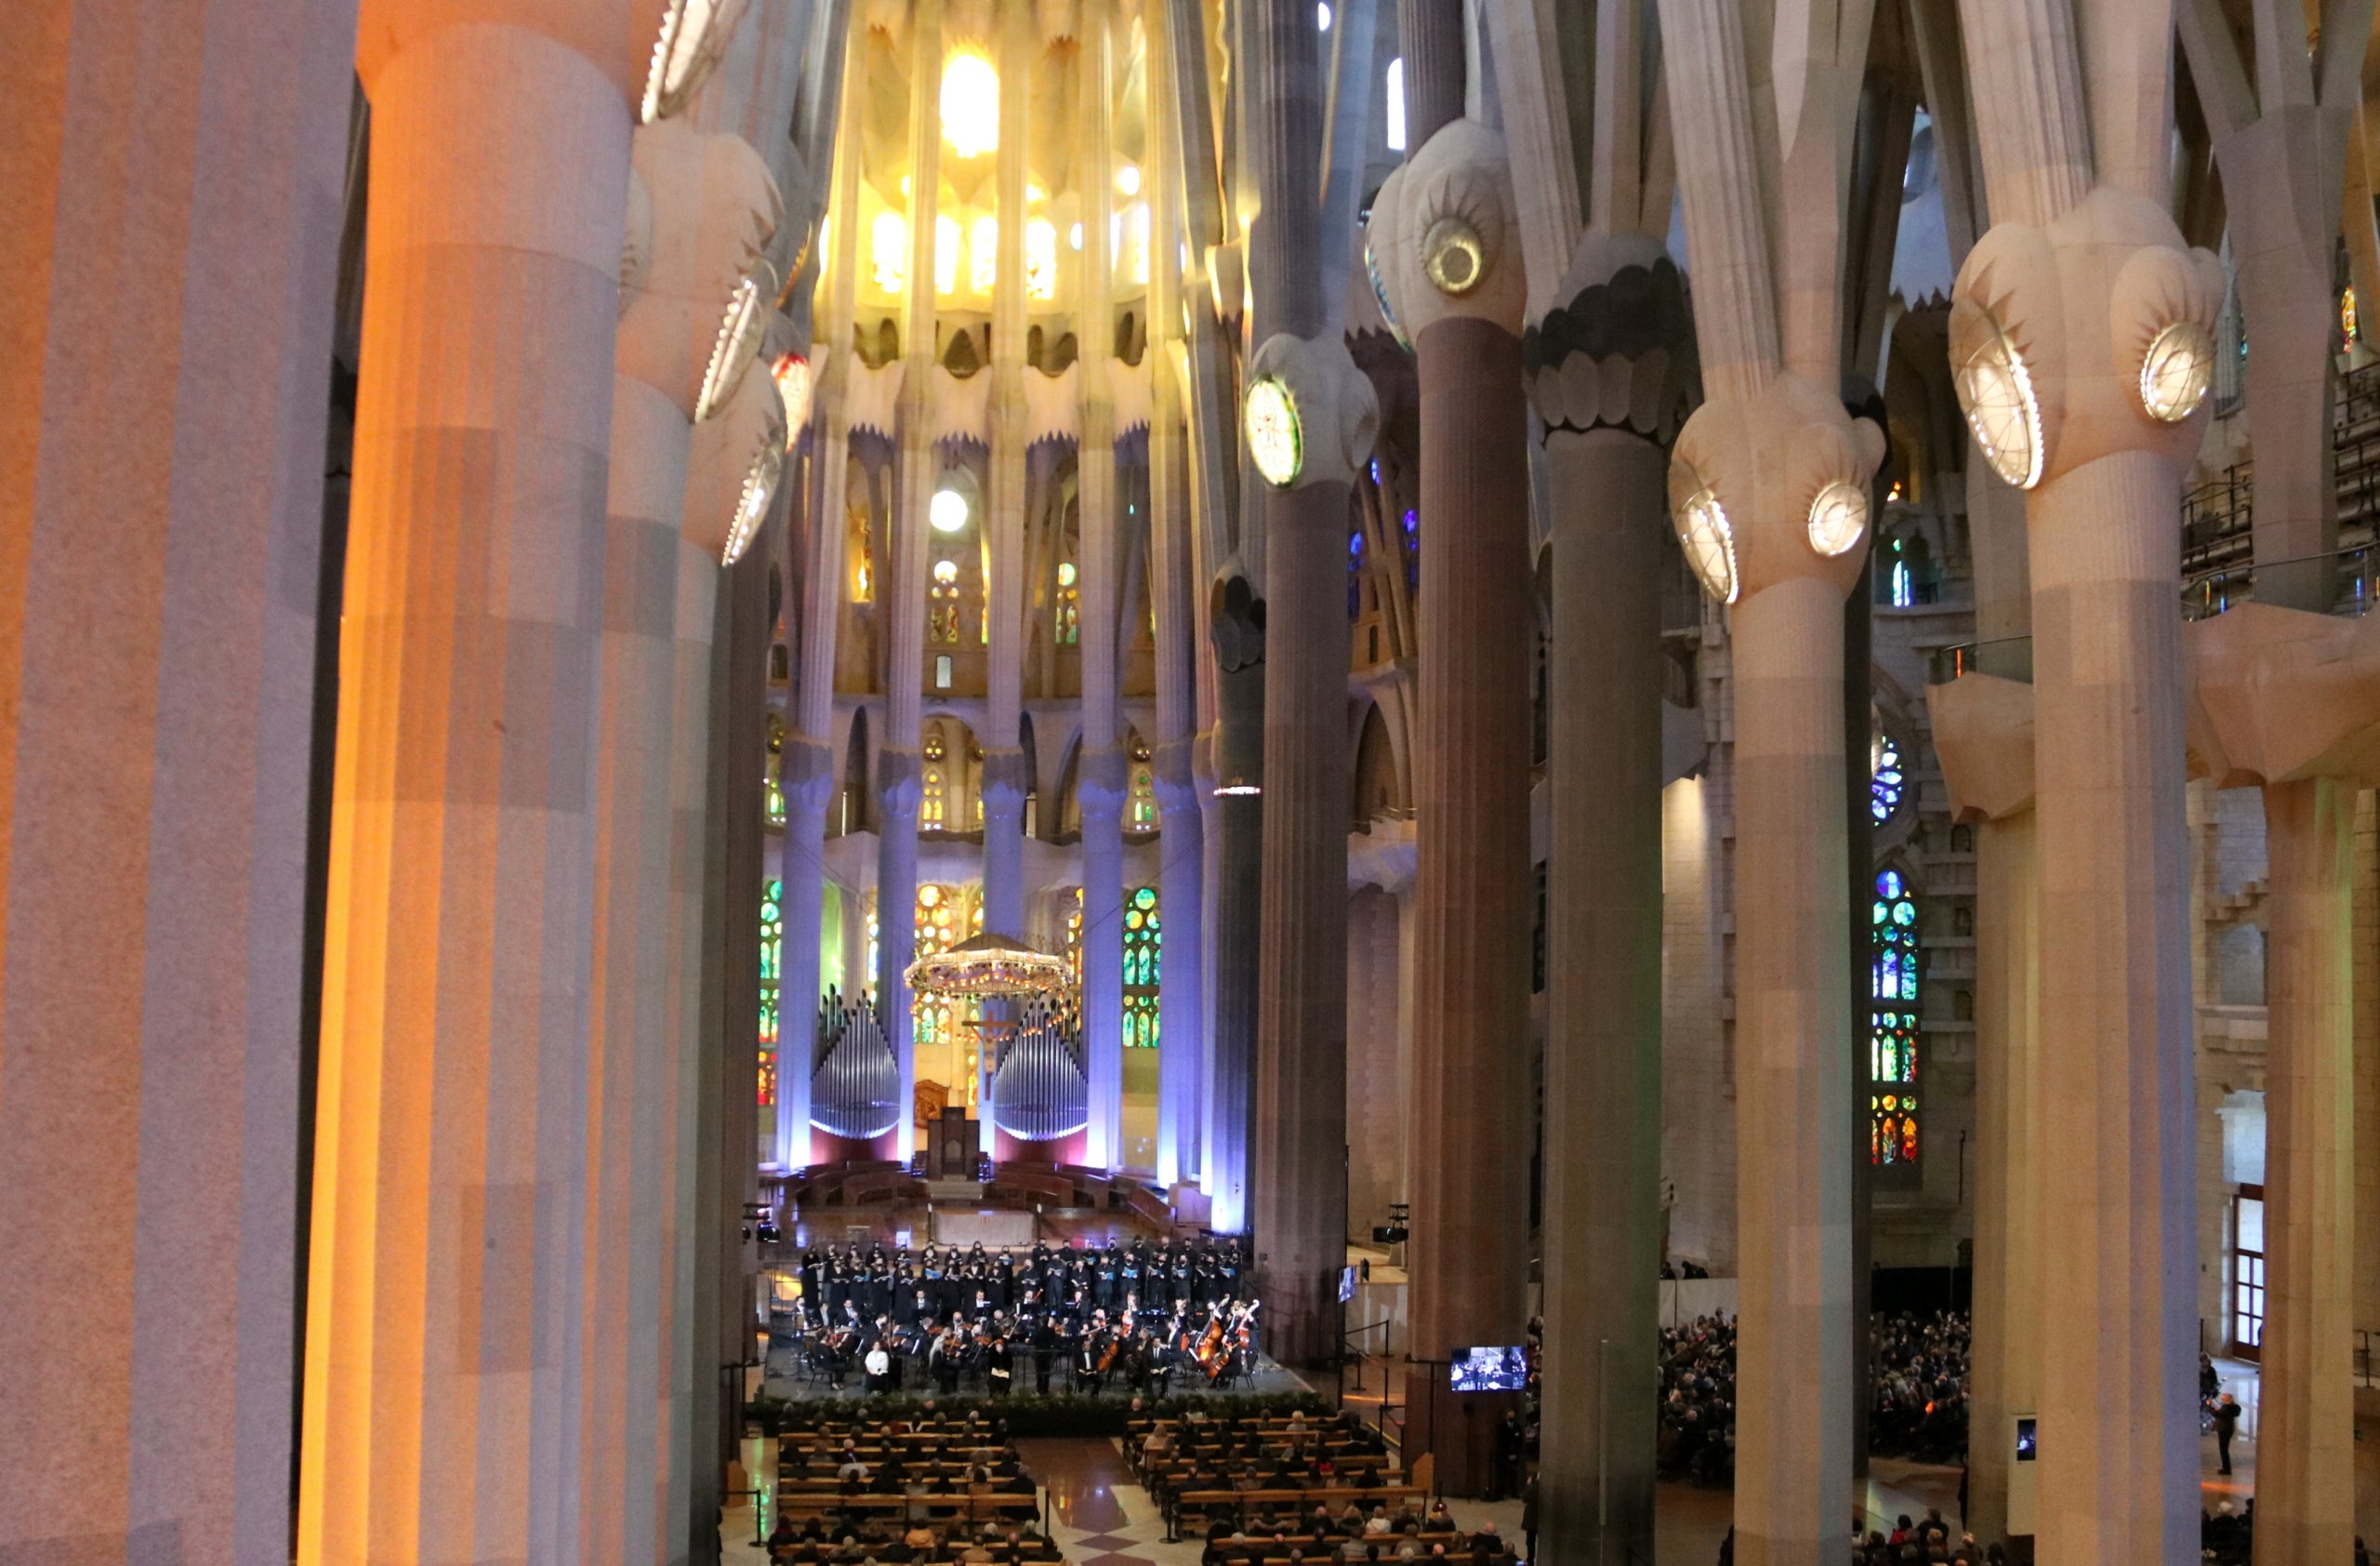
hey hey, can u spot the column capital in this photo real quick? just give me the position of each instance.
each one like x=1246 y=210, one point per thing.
x=733 y=469
x=2084 y=337
x=1620 y=356
x=1445 y=240
x=1332 y=404
x=1099 y=782
x=1773 y=486
x=897 y=781
x=1172 y=771
x=1983 y=732
x=2279 y=696
x=1005 y=780
x=701 y=212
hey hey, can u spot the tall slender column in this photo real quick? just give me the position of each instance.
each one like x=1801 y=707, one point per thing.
x=1983 y=726
x=2277 y=699
x=1300 y=1130
x=809 y=771
x=691 y=957
x=1299 y=1134
x=899 y=766
x=1004 y=779
x=2075 y=283
x=157 y=670
x=1453 y=267
x=711 y=207
x=1229 y=1123
x=1603 y=1057
x=1099 y=769
x=1430 y=34
x=2306 y=1408
x=443 y=1410
x=1173 y=587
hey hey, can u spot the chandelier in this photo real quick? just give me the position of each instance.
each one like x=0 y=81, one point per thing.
x=988 y=965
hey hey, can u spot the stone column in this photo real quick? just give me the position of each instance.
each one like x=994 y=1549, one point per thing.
x=709 y=209
x=1983 y=732
x=1300 y=1130
x=2076 y=285
x=1099 y=766
x=808 y=770
x=2281 y=144
x=899 y=766
x=1625 y=318
x=1004 y=781
x=1173 y=589
x=1228 y=1125
x=444 y=1406
x=691 y=958
x=164 y=501
x=2290 y=700
x=1449 y=256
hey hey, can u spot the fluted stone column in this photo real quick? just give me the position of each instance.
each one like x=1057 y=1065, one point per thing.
x=1181 y=978
x=2076 y=282
x=1300 y=1130
x=444 y=1406
x=707 y=210
x=1099 y=788
x=161 y=482
x=1625 y=319
x=1228 y=1125
x=809 y=771
x=1004 y=781
x=1768 y=491
x=691 y=955
x=1449 y=256
x=899 y=763
x=2305 y=1406
x=2291 y=700
x=1983 y=732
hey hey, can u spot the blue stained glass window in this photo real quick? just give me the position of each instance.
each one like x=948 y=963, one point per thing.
x=1885 y=777
x=1892 y=1037
x=1142 y=953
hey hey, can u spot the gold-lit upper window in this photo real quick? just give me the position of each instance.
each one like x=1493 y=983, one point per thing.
x=971 y=104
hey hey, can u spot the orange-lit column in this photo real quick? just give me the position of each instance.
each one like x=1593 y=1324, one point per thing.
x=160 y=514
x=442 y=1407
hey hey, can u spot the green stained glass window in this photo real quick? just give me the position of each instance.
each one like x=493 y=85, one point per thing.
x=1892 y=1033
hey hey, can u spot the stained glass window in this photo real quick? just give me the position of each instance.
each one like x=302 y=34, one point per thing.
x=941 y=617
x=930 y=801
x=1412 y=547
x=1073 y=936
x=1892 y=1038
x=1142 y=941
x=939 y=927
x=1355 y=571
x=1068 y=621
x=771 y=962
x=1885 y=777
x=1142 y=812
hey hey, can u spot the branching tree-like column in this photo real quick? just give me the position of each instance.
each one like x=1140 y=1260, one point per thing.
x=2081 y=342
x=1446 y=240
x=1311 y=421
x=443 y=1409
x=709 y=207
x=173 y=181
x=1768 y=491
x=2281 y=143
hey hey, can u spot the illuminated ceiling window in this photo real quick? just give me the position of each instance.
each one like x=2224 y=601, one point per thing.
x=1040 y=260
x=1127 y=180
x=971 y=104
x=946 y=255
x=889 y=242
x=983 y=254
x=1128 y=241
x=1394 y=102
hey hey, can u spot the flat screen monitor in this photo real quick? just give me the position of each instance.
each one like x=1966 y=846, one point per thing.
x=1346 y=1285
x=1491 y=1370
x=2028 y=1442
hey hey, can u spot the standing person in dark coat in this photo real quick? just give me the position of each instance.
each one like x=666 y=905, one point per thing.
x=1528 y=1514
x=2227 y=1419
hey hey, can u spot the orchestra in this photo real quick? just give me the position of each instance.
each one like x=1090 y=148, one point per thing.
x=1140 y=1319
